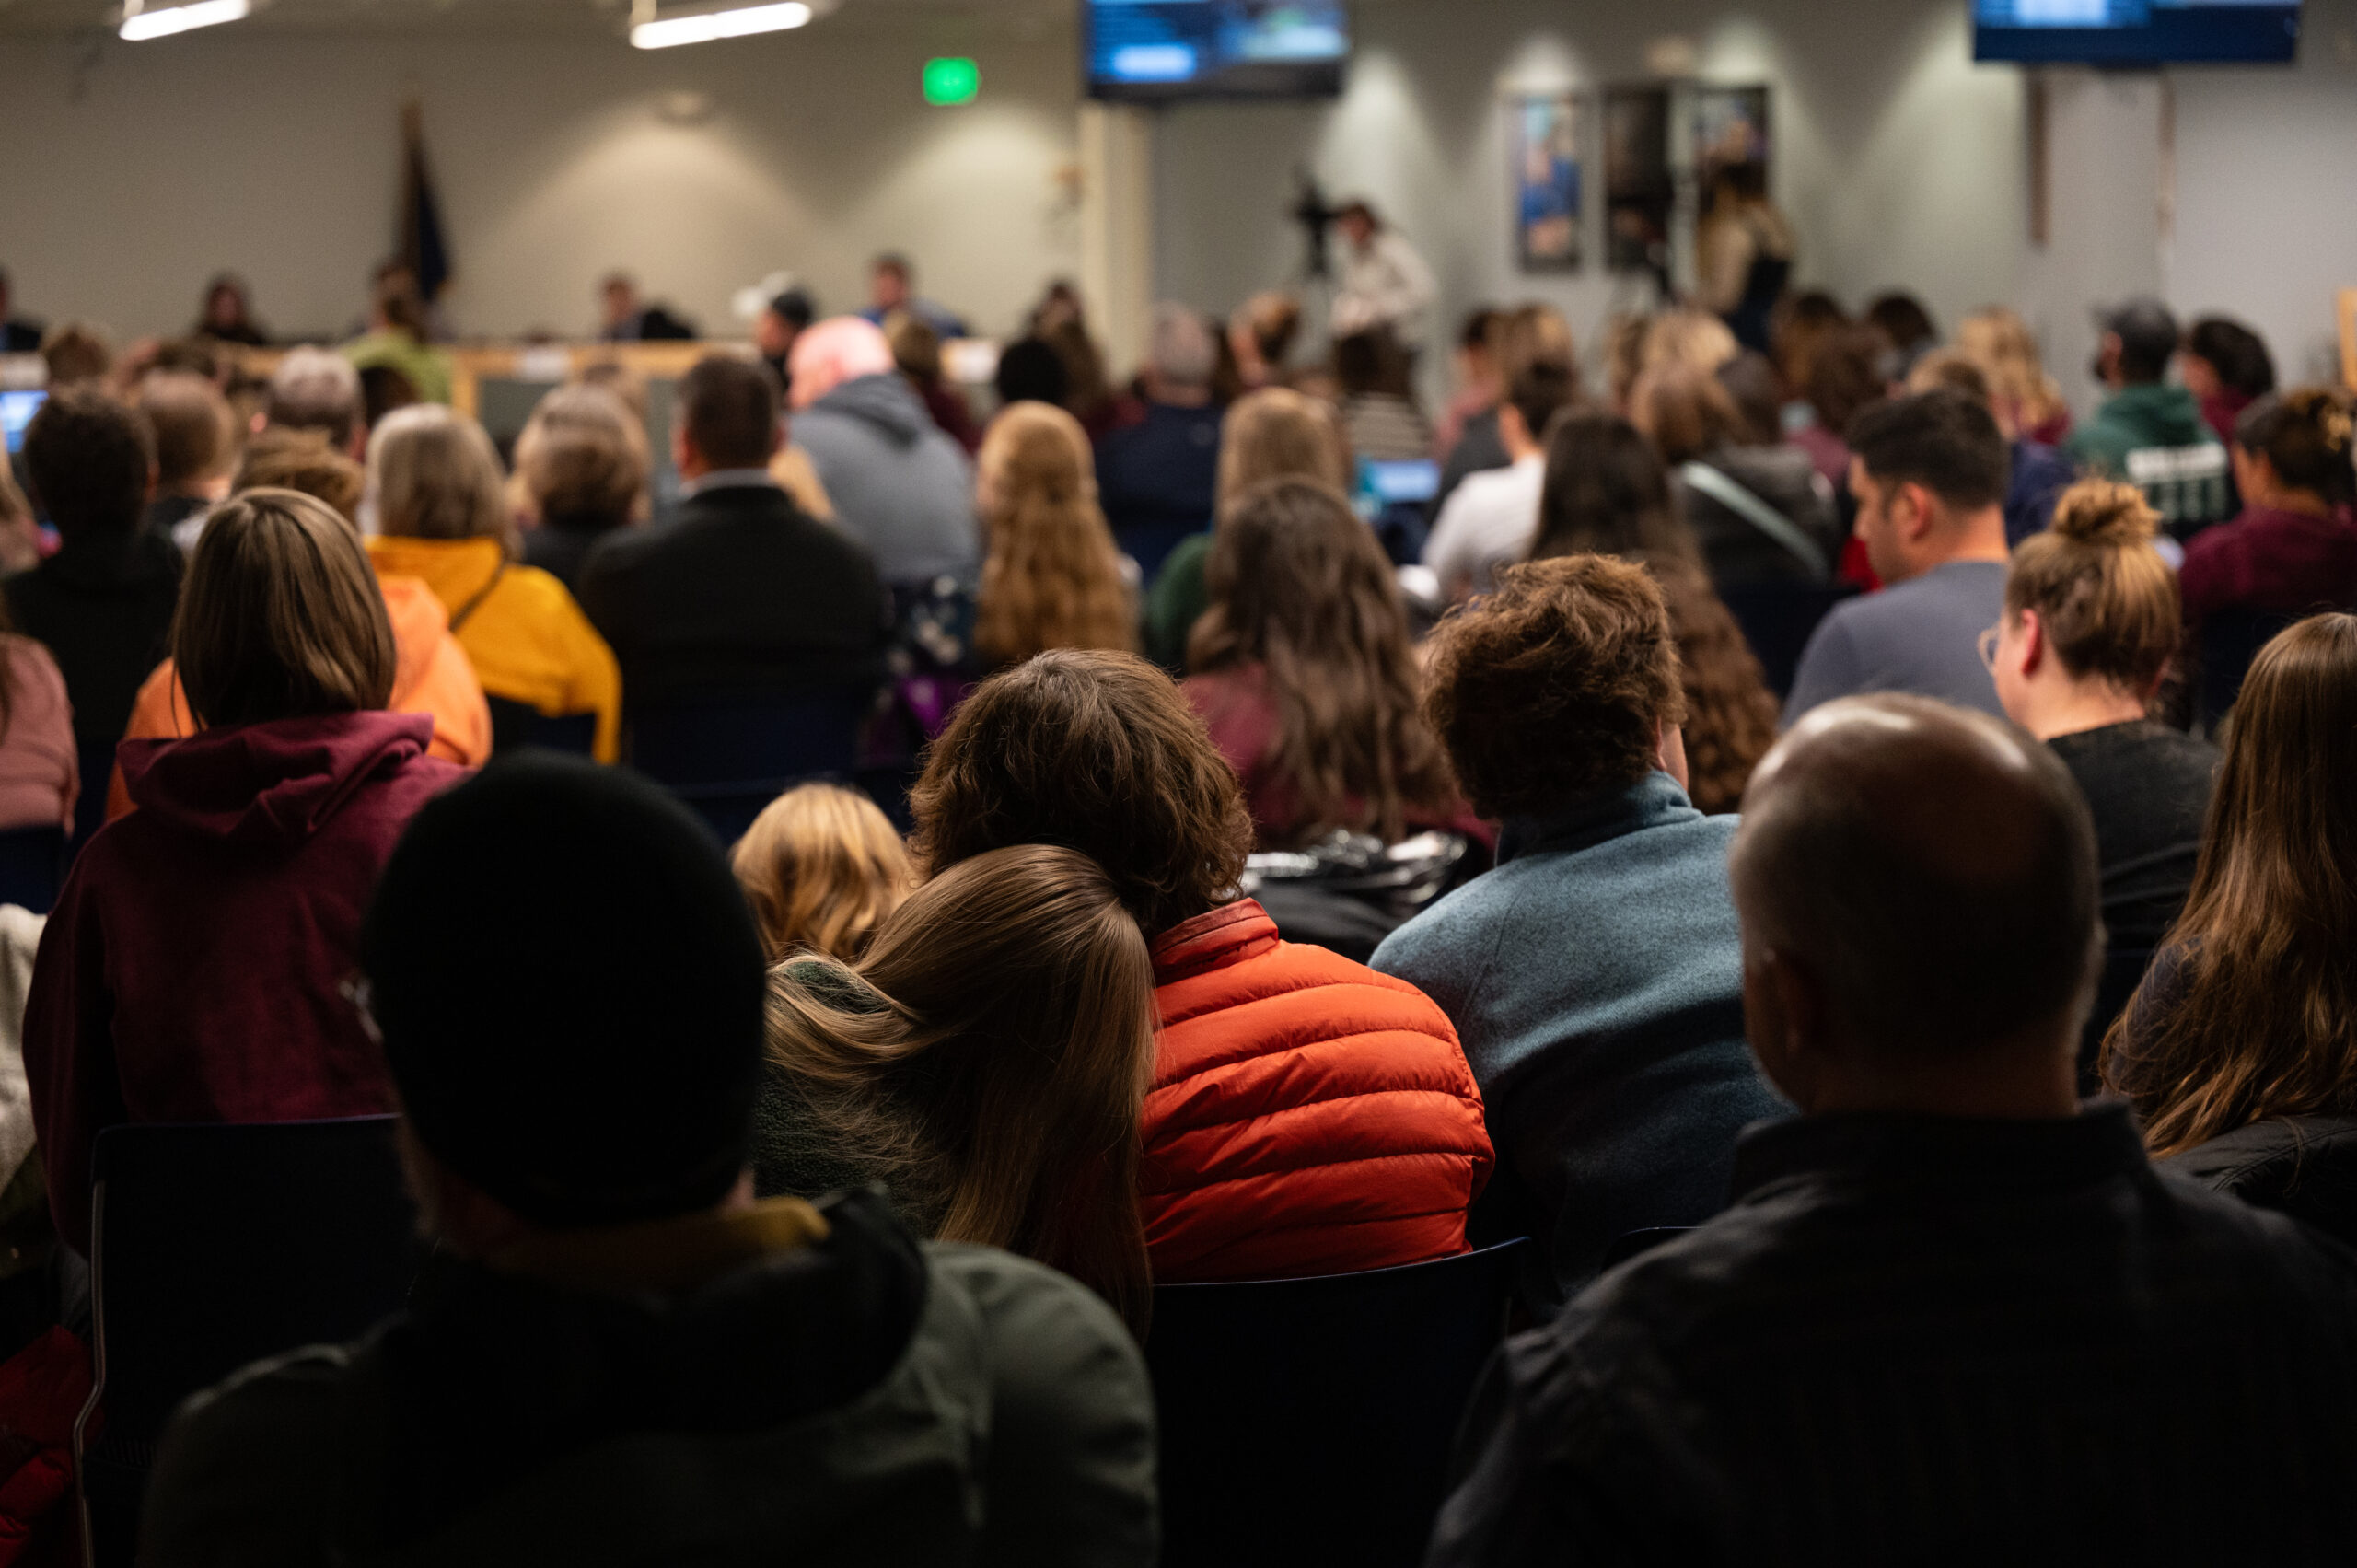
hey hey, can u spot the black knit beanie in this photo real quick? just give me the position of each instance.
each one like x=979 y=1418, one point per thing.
x=569 y=989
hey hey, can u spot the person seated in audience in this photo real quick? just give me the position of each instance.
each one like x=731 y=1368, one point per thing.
x=1526 y=337
x=916 y=349
x=1492 y=518
x=18 y=335
x=227 y=313
x=1907 y=327
x=616 y=1353
x=744 y=595
x=1845 y=381
x=397 y=337
x=2240 y=1048
x=1799 y=326
x=2039 y=475
x=2027 y=400
x=2090 y=627
x=894 y=1071
x=892 y=291
x=432 y=674
x=194 y=451
x=314 y=390
x=821 y=868
x=582 y=462
x=77 y=353
x=1306 y=1115
x=900 y=486
x=194 y=967
x=41 y=770
x=1762 y=515
x=1089 y=396
x=1031 y=371
x=102 y=605
x=2226 y=367
x=384 y=390
x=1261 y=335
x=1607 y=494
x=2293 y=548
x=441 y=507
x=1951 y=1315
x=1381 y=418
x=1302 y=673
x=2143 y=411
x=1272 y=433
x=1930 y=474
x=1594 y=976
x=1472 y=412
x=1052 y=577
x=1157 y=473
x=784 y=317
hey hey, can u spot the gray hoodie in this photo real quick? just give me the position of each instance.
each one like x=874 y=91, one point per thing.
x=900 y=486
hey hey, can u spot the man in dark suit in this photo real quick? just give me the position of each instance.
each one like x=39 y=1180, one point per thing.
x=744 y=595
x=15 y=337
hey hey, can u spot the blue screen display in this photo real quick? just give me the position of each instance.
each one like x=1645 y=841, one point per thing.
x=2137 y=32
x=16 y=411
x=1169 y=49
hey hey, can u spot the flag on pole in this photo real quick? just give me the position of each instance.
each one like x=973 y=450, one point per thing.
x=420 y=243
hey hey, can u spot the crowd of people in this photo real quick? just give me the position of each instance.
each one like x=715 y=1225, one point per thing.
x=1912 y=1023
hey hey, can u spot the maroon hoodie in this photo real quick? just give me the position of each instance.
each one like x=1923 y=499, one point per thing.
x=193 y=970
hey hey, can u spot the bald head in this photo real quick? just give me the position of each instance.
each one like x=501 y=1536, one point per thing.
x=1931 y=870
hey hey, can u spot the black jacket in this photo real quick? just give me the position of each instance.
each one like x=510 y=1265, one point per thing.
x=1741 y=555
x=2303 y=1166
x=103 y=607
x=742 y=596
x=1925 y=1341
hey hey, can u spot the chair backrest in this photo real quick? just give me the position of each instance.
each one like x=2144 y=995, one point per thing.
x=516 y=726
x=2230 y=639
x=90 y=810
x=747 y=741
x=33 y=864
x=1777 y=620
x=1311 y=1421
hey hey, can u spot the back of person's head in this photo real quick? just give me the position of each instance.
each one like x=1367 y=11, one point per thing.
x=1031 y=371
x=1180 y=349
x=1273 y=319
x=1280 y=433
x=2235 y=354
x=1802 y=322
x=843 y=349
x=280 y=616
x=569 y=991
x=821 y=867
x=2304 y=434
x=2106 y=601
x=192 y=356
x=90 y=460
x=1539 y=389
x=314 y=390
x=1954 y=370
x=281 y=459
x=435 y=474
x=1685 y=411
x=1998 y=340
x=1695 y=340
x=1556 y=687
x=398 y=305
x=1090 y=384
x=383 y=390
x=1053 y=575
x=1298 y=586
x=1535 y=334
x=1606 y=493
x=1098 y=752
x=77 y=353
x=729 y=408
x=190 y=421
x=2262 y=1017
x=583 y=458
x=1845 y=376
x=1478 y=335
x=1750 y=381
x=1945 y=441
x=612 y=375
x=916 y=348
x=2148 y=335
x=993 y=1048
x=1901 y=318
x=1929 y=873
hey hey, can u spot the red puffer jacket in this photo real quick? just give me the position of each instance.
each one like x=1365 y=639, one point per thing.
x=1309 y=1116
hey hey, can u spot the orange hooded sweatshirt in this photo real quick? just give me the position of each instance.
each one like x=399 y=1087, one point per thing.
x=430 y=675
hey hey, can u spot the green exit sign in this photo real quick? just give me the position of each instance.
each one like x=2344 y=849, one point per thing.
x=952 y=81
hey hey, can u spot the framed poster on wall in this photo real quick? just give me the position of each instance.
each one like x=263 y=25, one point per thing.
x=1639 y=191
x=1547 y=181
x=1731 y=142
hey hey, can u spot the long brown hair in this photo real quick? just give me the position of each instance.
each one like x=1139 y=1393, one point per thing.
x=1299 y=586
x=1054 y=576
x=992 y=1052
x=2262 y=1018
x=821 y=868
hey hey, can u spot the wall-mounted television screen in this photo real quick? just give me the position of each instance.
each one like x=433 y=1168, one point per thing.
x=1158 y=50
x=2137 y=32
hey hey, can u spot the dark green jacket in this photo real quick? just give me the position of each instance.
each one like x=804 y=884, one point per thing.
x=2135 y=418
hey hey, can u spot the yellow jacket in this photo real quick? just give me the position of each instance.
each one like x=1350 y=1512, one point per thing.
x=529 y=641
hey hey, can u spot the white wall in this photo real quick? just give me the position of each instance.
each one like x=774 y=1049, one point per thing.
x=277 y=154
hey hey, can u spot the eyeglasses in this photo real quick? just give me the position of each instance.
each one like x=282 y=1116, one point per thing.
x=1989 y=647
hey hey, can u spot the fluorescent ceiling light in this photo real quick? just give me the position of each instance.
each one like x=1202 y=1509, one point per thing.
x=703 y=28
x=141 y=25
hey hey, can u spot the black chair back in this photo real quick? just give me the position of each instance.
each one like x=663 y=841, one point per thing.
x=90 y=810
x=2123 y=971
x=1311 y=1421
x=33 y=867
x=2230 y=639
x=729 y=760
x=214 y=1247
x=1777 y=620
x=516 y=726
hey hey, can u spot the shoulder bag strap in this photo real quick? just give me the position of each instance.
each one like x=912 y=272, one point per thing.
x=466 y=610
x=1759 y=513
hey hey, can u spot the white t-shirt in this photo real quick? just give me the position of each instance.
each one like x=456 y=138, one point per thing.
x=1490 y=521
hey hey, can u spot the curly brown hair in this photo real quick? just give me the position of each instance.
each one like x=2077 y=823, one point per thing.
x=1555 y=686
x=1098 y=752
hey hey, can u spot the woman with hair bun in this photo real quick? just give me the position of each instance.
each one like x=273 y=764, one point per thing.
x=2293 y=548
x=2091 y=624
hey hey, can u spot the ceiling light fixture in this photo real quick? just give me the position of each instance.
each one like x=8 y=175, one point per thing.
x=669 y=33
x=141 y=25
